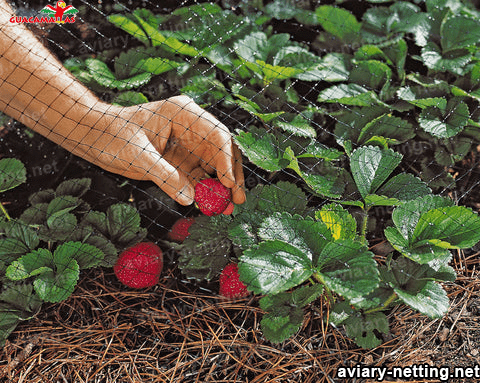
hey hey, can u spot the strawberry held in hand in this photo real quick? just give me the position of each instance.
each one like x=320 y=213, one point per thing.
x=140 y=265
x=230 y=284
x=179 y=230
x=212 y=197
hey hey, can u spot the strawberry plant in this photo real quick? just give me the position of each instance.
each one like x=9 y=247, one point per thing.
x=326 y=119
x=43 y=251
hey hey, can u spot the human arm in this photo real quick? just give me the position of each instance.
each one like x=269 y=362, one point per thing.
x=172 y=142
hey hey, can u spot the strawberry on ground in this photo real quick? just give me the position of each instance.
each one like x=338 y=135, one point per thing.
x=179 y=230
x=140 y=266
x=212 y=197
x=230 y=284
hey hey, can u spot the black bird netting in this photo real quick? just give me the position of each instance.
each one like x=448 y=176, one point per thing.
x=251 y=191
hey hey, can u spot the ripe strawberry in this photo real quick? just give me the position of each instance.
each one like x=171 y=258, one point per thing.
x=211 y=196
x=229 y=209
x=179 y=230
x=230 y=284
x=140 y=266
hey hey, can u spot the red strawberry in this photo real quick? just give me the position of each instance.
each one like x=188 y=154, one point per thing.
x=140 y=265
x=230 y=284
x=212 y=197
x=179 y=230
x=229 y=209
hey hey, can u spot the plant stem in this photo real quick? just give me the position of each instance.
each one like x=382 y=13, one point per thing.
x=363 y=225
x=318 y=277
x=5 y=212
x=387 y=303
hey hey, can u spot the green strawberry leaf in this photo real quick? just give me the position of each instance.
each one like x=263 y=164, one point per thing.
x=458 y=227
x=84 y=254
x=75 y=187
x=298 y=126
x=57 y=286
x=12 y=173
x=371 y=166
x=284 y=314
x=339 y=221
x=274 y=266
x=348 y=268
x=282 y=196
x=455 y=62
x=396 y=129
x=261 y=148
x=130 y=27
x=104 y=76
x=123 y=225
x=459 y=31
x=364 y=327
x=206 y=251
x=431 y=300
x=349 y=94
x=34 y=263
x=446 y=120
x=338 y=22
x=404 y=187
x=11 y=249
x=305 y=234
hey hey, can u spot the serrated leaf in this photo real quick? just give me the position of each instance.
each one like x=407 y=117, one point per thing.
x=12 y=173
x=122 y=219
x=348 y=268
x=404 y=187
x=206 y=251
x=432 y=300
x=434 y=59
x=282 y=196
x=371 y=166
x=305 y=234
x=59 y=227
x=361 y=328
x=84 y=254
x=61 y=205
x=129 y=26
x=158 y=38
x=298 y=126
x=388 y=126
x=33 y=263
x=284 y=314
x=11 y=249
x=406 y=217
x=459 y=31
x=42 y=196
x=20 y=296
x=338 y=21
x=456 y=226
x=261 y=148
x=371 y=74
x=35 y=215
x=273 y=267
x=445 y=122
x=57 y=286
x=104 y=76
x=340 y=222
x=349 y=94
x=325 y=185
x=75 y=187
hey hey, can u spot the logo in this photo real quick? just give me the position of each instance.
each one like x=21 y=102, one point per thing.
x=53 y=15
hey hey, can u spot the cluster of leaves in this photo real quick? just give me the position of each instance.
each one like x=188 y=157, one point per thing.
x=398 y=73
x=291 y=253
x=43 y=251
x=369 y=90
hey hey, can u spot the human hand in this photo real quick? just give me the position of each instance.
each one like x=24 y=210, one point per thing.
x=173 y=143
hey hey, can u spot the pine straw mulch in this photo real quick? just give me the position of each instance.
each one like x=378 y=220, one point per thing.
x=182 y=332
